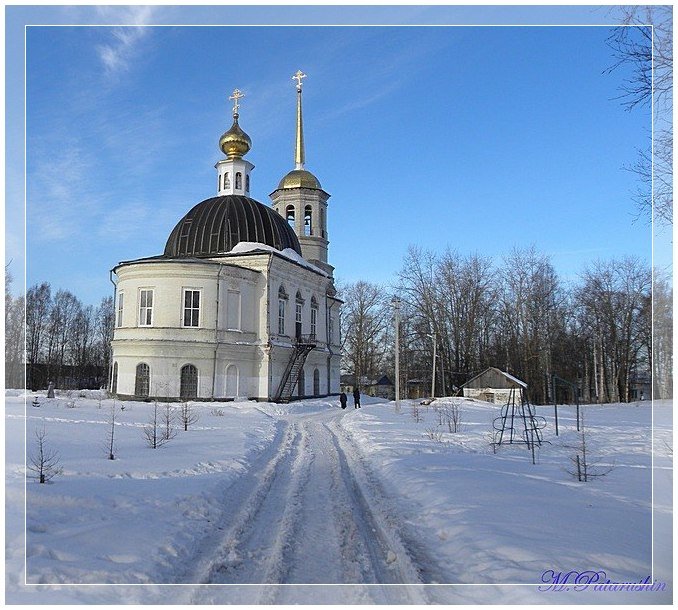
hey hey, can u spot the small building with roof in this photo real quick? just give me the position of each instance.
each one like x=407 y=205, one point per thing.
x=379 y=387
x=493 y=385
x=242 y=303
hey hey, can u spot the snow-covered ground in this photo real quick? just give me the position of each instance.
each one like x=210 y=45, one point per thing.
x=355 y=506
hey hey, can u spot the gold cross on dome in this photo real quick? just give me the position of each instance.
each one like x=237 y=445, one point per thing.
x=237 y=94
x=297 y=77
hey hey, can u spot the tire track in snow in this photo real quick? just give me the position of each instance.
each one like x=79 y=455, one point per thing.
x=328 y=539
x=420 y=566
x=243 y=502
x=390 y=561
x=279 y=561
x=310 y=511
x=255 y=547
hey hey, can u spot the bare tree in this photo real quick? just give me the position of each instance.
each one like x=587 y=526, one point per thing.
x=611 y=302
x=38 y=304
x=364 y=326
x=644 y=44
x=168 y=420
x=187 y=415
x=104 y=321
x=110 y=439
x=81 y=338
x=660 y=342
x=14 y=336
x=61 y=319
x=465 y=296
x=454 y=416
x=450 y=298
x=45 y=462
x=434 y=434
x=532 y=311
x=156 y=431
x=585 y=467
x=644 y=38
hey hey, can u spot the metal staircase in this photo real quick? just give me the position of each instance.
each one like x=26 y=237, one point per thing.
x=302 y=347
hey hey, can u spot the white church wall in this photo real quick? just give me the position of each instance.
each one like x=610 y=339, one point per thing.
x=165 y=362
x=167 y=280
x=166 y=344
x=309 y=284
x=242 y=360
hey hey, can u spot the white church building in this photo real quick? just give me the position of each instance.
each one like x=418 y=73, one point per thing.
x=241 y=304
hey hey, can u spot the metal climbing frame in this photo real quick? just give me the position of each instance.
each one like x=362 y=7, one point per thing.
x=518 y=424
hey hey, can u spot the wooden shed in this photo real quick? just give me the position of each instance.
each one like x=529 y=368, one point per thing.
x=493 y=385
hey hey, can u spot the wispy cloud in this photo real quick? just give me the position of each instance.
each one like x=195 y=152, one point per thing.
x=118 y=55
x=58 y=203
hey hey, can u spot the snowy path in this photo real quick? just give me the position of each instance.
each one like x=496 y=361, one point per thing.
x=309 y=512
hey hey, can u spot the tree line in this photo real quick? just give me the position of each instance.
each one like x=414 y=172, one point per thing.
x=65 y=341
x=519 y=316
x=602 y=332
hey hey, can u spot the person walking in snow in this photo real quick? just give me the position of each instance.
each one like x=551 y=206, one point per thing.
x=356 y=399
x=343 y=399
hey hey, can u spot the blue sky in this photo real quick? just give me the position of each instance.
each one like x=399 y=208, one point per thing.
x=480 y=138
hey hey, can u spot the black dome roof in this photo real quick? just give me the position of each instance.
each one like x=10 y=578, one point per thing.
x=216 y=225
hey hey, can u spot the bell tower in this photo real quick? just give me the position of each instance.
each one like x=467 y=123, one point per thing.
x=301 y=200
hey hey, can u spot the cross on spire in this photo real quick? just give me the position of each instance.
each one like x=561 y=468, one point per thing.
x=297 y=77
x=237 y=95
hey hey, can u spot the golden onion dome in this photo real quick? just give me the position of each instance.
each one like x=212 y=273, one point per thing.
x=235 y=142
x=299 y=178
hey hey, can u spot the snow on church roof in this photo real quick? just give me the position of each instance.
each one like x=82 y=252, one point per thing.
x=288 y=253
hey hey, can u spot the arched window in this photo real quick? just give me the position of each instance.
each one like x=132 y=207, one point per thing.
x=301 y=386
x=219 y=182
x=289 y=215
x=314 y=316
x=231 y=381
x=227 y=181
x=316 y=382
x=282 y=305
x=247 y=183
x=189 y=382
x=322 y=222
x=308 y=226
x=299 y=307
x=238 y=180
x=114 y=380
x=142 y=380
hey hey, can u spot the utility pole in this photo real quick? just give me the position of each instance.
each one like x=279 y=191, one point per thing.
x=433 y=376
x=396 y=306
